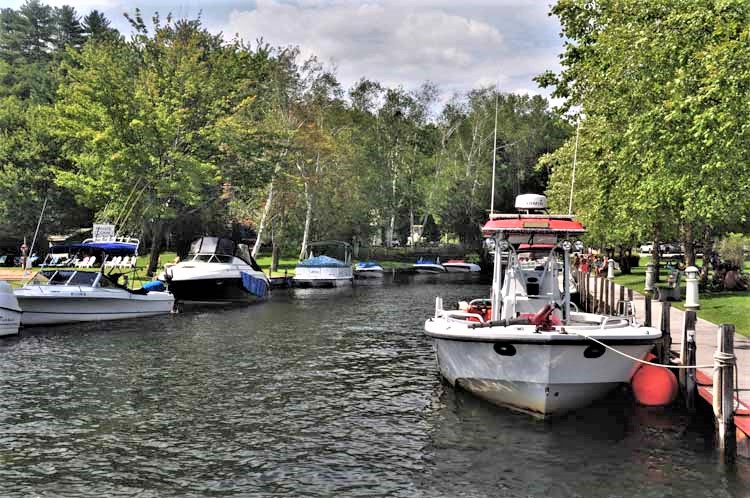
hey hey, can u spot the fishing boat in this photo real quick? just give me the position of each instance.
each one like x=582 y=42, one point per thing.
x=321 y=269
x=527 y=347
x=83 y=294
x=428 y=264
x=533 y=258
x=217 y=270
x=368 y=269
x=10 y=311
x=460 y=266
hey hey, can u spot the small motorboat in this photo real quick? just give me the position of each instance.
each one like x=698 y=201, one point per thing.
x=368 y=269
x=81 y=294
x=527 y=347
x=320 y=269
x=217 y=270
x=460 y=266
x=428 y=264
x=10 y=311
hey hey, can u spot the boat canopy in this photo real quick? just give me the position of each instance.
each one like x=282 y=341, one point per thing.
x=213 y=245
x=367 y=264
x=532 y=229
x=109 y=248
x=321 y=262
x=427 y=260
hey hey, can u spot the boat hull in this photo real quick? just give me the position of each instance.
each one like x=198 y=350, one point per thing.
x=368 y=273
x=59 y=308
x=542 y=379
x=461 y=268
x=10 y=312
x=429 y=269
x=212 y=291
x=337 y=276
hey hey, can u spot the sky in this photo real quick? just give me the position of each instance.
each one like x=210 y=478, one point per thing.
x=457 y=44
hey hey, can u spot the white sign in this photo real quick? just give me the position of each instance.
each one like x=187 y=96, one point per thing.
x=103 y=232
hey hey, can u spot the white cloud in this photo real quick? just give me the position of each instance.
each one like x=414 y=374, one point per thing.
x=458 y=45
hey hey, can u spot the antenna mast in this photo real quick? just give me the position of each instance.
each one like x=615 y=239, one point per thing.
x=573 y=176
x=494 y=157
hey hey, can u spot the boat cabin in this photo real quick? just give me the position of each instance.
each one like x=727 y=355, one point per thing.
x=220 y=250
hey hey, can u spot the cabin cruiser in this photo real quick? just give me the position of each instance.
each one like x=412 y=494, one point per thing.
x=428 y=264
x=527 y=347
x=217 y=270
x=461 y=266
x=368 y=269
x=321 y=270
x=10 y=311
x=68 y=295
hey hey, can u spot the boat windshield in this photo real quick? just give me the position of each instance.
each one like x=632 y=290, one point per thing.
x=64 y=277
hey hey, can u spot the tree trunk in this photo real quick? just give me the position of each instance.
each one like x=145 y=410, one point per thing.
x=411 y=223
x=624 y=261
x=274 y=258
x=158 y=236
x=308 y=217
x=688 y=242
x=261 y=227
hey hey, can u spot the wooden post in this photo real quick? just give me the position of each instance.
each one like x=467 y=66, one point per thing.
x=595 y=302
x=605 y=294
x=622 y=293
x=690 y=382
x=687 y=324
x=630 y=295
x=612 y=302
x=666 y=333
x=724 y=365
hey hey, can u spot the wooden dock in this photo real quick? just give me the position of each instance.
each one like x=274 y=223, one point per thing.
x=706 y=344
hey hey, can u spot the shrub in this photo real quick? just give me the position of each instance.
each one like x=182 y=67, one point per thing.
x=732 y=248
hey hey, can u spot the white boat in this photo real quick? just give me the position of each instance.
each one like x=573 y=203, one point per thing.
x=527 y=347
x=428 y=264
x=217 y=270
x=460 y=266
x=368 y=269
x=55 y=296
x=533 y=257
x=10 y=312
x=321 y=270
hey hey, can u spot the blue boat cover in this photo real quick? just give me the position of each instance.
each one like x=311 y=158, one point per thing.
x=424 y=260
x=111 y=248
x=254 y=285
x=321 y=262
x=367 y=264
x=154 y=285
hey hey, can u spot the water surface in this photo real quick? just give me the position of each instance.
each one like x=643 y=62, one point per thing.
x=315 y=393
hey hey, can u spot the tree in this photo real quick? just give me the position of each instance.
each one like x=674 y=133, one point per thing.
x=142 y=115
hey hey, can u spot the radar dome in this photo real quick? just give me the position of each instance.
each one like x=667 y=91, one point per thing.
x=531 y=202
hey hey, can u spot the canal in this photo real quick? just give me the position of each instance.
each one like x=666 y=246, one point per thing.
x=315 y=393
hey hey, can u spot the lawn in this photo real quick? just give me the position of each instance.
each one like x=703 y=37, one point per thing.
x=716 y=307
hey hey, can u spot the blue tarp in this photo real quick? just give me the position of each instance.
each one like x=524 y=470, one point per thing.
x=254 y=285
x=154 y=285
x=367 y=264
x=426 y=261
x=321 y=262
x=111 y=248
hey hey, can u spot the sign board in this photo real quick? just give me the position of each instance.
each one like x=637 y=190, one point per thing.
x=103 y=232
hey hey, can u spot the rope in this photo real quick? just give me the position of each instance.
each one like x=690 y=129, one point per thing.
x=637 y=359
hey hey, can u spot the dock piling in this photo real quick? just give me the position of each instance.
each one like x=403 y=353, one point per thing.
x=612 y=303
x=723 y=391
x=690 y=382
x=647 y=304
x=666 y=333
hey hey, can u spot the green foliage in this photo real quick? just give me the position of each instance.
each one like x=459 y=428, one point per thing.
x=733 y=248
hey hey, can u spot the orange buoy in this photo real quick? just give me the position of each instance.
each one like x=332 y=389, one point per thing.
x=654 y=386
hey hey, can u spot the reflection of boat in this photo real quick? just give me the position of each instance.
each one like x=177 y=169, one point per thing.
x=216 y=270
x=524 y=347
x=460 y=265
x=368 y=269
x=10 y=312
x=79 y=295
x=428 y=264
x=320 y=269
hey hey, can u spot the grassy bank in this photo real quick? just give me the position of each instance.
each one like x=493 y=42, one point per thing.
x=716 y=307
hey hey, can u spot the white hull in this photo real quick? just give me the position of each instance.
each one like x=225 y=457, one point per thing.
x=369 y=273
x=10 y=312
x=545 y=380
x=461 y=267
x=426 y=268
x=546 y=373
x=44 y=305
x=323 y=276
x=210 y=282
